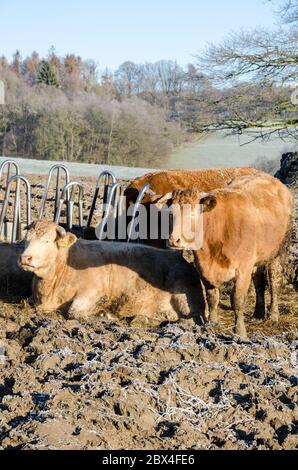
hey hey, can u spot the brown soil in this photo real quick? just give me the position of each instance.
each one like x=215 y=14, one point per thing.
x=104 y=384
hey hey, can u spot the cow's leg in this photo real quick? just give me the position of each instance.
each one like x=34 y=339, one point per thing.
x=212 y=297
x=204 y=297
x=259 y=280
x=242 y=284
x=190 y=302
x=232 y=297
x=213 y=301
x=83 y=305
x=275 y=277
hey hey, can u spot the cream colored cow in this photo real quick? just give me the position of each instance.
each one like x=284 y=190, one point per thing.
x=76 y=275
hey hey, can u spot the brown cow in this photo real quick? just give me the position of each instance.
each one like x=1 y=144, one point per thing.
x=205 y=180
x=162 y=182
x=75 y=275
x=244 y=225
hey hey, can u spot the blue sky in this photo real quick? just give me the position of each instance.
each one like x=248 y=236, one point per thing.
x=112 y=31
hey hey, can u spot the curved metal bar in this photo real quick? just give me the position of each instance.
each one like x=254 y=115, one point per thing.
x=9 y=163
x=59 y=167
x=137 y=204
x=109 y=181
x=112 y=198
x=17 y=208
x=70 y=203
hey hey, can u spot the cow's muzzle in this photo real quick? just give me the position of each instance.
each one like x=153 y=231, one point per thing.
x=175 y=244
x=25 y=261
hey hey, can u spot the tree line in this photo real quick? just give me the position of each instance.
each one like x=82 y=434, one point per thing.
x=65 y=108
x=61 y=108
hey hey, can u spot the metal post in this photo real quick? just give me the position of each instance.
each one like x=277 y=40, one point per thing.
x=109 y=180
x=17 y=207
x=70 y=202
x=113 y=197
x=137 y=204
x=59 y=167
x=17 y=215
x=9 y=163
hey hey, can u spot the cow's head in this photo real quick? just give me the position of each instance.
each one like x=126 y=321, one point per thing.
x=186 y=226
x=44 y=242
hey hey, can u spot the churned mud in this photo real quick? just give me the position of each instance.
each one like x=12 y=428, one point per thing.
x=105 y=384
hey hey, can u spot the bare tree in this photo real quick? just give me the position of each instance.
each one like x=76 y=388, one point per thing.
x=127 y=78
x=288 y=11
x=170 y=77
x=267 y=61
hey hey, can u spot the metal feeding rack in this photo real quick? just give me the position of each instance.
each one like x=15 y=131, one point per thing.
x=107 y=196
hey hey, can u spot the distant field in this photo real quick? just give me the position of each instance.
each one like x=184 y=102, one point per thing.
x=218 y=150
x=28 y=165
x=214 y=151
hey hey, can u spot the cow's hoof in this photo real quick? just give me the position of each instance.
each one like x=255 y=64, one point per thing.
x=273 y=314
x=75 y=315
x=213 y=319
x=274 y=318
x=241 y=332
x=259 y=315
x=139 y=322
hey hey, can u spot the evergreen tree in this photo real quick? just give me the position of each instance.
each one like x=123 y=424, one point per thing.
x=16 y=63
x=47 y=75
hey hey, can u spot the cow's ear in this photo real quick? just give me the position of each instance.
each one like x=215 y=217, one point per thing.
x=131 y=195
x=208 y=202
x=166 y=199
x=68 y=240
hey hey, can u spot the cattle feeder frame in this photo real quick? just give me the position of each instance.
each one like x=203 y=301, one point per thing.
x=58 y=190
x=109 y=179
x=9 y=163
x=111 y=201
x=68 y=198
x=16 y=224
x=145 y=189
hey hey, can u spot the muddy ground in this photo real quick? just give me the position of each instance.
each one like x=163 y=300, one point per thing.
x=103 y=384
x=106 y=384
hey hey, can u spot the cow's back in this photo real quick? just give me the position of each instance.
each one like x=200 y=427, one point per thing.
x=156 y=266
x=204 y=180
x=139 y=272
